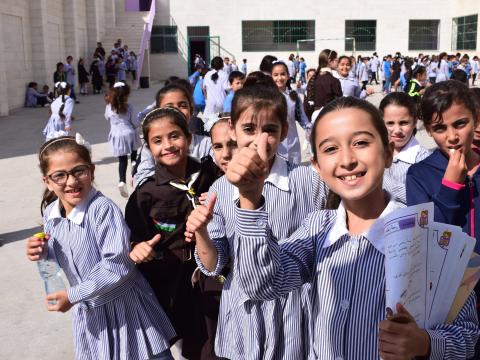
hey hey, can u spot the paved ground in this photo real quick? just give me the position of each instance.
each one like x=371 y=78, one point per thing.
x=28 y=331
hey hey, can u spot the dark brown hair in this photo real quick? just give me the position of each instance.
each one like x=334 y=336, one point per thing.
x=173 y=87
x=170 y=113
x=260 y=98
x=399 y=99
x=292 y=93
x=118 y=98
x=439 y=97
x=65 y=144
x=350 y=102
x=258 y=77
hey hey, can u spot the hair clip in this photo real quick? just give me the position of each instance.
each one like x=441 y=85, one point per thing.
x=278 y=62
x=118 y=84
x=81 y=141
x=61 y=84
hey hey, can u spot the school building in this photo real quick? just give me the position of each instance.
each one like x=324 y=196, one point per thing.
x=35 y=35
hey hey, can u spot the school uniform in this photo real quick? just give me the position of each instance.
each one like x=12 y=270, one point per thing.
x=432 y=71
x=414 y=88
x=216 y=91
x=254 y=330
x=123 y=137
x=443 y=72
x=200 y=147
x=289 y=148
x=227 y=104
x=456 y=204
x=161 y=206
x=326 y=88
x=244 y=68
x=56 y=124
x=350 y=87
x=115 y=314
x=34 y=98
x=121 y=71
x=346 y=275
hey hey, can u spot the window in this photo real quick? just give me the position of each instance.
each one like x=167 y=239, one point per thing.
x=277 y=35
x=465 y=32
x=423 y=34
x=163 y=39
x=364 y=32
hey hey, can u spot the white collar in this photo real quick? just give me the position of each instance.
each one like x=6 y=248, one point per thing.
x=374 y=234
x=409 y=152
x=278 y=176
x=326 y=69
x=78 y=212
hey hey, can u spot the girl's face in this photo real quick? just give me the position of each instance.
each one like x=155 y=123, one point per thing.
x=344 y=67
x=248 y=129
x=422 y=78
x=222 y=144
x=455 y=131
x=476 y=135
x=333 y=64
x=351 y=157
x=280 y=76
x=400 y=125
x=69 y=177
x=168 y=143
x=177 y=99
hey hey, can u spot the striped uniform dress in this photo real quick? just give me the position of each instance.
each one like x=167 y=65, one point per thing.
x=246 y=329
x=115 y=313
x=347 y=278
x=395 y=176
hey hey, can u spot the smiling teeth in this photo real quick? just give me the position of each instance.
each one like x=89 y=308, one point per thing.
x=351 y=177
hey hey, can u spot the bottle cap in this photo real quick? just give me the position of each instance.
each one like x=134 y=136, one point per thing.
x=39 y=235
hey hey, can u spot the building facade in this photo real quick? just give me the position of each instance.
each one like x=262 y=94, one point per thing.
x=35 y=35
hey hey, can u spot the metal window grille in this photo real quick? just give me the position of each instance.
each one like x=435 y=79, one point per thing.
x=277 y=35
x=364 y=32
x=198 y=30
x=423 y=34
x=163 y=39
x=465 y=32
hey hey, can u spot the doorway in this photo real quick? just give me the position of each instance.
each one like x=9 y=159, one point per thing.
x=198 y=43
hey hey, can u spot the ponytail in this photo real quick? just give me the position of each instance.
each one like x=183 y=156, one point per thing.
x=47 y=198
x=215 y=77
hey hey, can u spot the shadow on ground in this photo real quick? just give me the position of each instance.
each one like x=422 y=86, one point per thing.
x=18 y=235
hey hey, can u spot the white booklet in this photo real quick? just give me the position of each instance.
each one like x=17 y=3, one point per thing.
x=425 y=262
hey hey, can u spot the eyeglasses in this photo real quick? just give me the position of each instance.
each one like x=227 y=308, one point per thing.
x=79 y=172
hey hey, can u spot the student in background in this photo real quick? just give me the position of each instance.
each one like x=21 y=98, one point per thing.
x=350 y=85
x=215 y=85
x=33 y=97
x=416 y=85
x=97 y=78
x=236 y=80
x=244 y=67
x=82 y=77
x=70 y=75
x=60 y=121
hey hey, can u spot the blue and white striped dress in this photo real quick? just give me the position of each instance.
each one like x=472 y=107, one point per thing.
x=123 y=137
x=347 y=278
x=115 y=314
x=253 y=330
x=395 y=177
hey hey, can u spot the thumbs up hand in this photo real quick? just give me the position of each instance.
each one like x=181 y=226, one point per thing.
x=199 y=218
x=248 y=169
x=144 y=251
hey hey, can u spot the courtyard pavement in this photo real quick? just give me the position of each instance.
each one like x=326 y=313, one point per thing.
x=28 y=331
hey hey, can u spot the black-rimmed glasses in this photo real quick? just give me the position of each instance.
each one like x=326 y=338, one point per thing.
x=78 y=172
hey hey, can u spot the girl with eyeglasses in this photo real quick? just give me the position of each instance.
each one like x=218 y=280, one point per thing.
x=88 y=237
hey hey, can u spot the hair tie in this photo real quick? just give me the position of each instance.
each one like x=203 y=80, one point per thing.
x=118 y=84
x=62 y=135
x=210 y=120
x=278 y=62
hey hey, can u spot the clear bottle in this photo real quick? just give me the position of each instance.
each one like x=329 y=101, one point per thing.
x=50 y=272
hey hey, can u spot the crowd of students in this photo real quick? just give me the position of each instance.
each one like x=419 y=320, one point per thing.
x=230 y=247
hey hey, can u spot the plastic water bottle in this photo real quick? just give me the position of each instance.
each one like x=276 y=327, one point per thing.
x=50 y=272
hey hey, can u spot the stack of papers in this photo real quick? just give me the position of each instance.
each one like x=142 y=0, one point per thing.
x=430 y=267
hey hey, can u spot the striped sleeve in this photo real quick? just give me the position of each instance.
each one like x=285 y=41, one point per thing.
x=146 y=168
x=216 y=231
x=456 y=340
x=112 y=236
x=268 y=270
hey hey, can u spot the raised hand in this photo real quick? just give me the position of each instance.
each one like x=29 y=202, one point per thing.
x=457 y=167
x=199 y=218
x=144 y=251
x=249 y=168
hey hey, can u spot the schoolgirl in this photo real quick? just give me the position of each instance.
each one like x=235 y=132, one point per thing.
x=416 y=85
x=256 y=329
x=443 y=72
x=338 y=252
x=123 y=138
x=399 y=113
x=82 y=77
x=156 y=213
x=349 y=84
x=476 y=132
x=133 y=65
x=215 y=86
x=432 y=70
x=60 y=121
x=177 y=96
x=323 y=87
x=97 y=78
x=290 y=146
x=115 y=315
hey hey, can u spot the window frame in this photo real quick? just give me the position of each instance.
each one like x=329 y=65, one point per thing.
x=349 y=44
x=410 y=47
x=164 y=37
x=455 y=32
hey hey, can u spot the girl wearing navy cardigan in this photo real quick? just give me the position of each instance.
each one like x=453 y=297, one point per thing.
x=450 y=177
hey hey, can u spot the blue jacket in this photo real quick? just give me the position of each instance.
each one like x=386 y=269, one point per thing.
x=452 y=206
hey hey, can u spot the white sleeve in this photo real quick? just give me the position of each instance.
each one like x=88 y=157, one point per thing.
x=67 y=111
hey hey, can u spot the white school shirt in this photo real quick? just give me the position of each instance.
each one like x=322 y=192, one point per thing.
x=70 y=71
x=216 y=91
x=291 y=68
x=261 y=330
x=374 y=64
x=346 y=275
x=443 y=73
